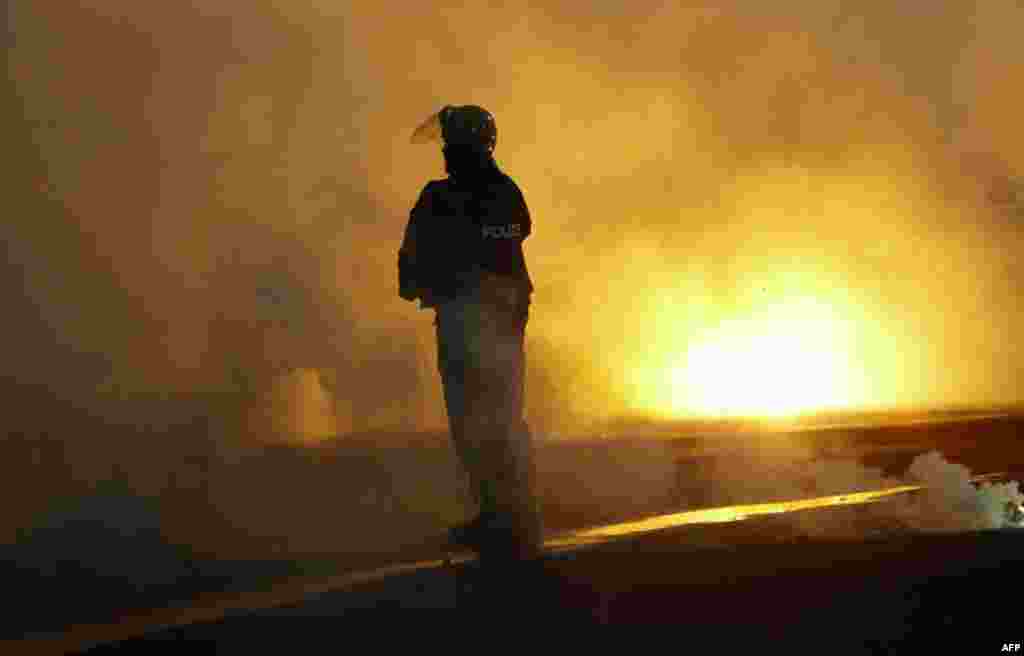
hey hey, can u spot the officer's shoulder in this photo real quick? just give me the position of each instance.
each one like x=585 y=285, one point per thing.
x=512 y=188
x=431 y=190
x=506 y=184
x=435 y=185
x=507 y=179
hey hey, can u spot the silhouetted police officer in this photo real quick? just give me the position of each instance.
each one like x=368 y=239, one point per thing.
x=462 y=255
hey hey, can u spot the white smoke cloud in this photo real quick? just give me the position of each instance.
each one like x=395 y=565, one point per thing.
x=948 y=501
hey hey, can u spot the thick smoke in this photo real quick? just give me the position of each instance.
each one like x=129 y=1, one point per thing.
x=685 y=166
x=753 y=472
x=207 y=199
x=951 y=502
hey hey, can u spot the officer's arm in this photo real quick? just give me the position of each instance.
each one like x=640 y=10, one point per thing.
x=408 y=275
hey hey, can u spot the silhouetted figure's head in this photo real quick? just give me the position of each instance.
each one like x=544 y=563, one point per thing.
x=468 y=134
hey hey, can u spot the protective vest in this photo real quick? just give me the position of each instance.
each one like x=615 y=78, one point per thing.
x=464 y=237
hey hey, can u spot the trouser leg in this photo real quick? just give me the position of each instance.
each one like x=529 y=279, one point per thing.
x=505 y=436
x=482 y=362
x=460 y=378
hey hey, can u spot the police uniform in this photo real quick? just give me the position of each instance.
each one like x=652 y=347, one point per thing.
x=462 y=256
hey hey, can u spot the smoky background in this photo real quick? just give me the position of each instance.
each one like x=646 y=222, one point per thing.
x=205 y=202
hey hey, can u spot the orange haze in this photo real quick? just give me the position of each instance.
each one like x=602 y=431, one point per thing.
x=738 y=209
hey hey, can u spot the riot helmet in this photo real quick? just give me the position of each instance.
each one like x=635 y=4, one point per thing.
x=460 y=125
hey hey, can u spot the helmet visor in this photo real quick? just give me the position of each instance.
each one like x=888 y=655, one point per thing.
x=429 y=130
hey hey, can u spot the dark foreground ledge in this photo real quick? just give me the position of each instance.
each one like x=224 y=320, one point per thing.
x=901 y=592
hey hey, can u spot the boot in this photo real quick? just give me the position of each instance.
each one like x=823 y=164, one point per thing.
x=473 y=534
x=499 y=536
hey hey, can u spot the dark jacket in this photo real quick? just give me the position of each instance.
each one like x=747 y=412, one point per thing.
x=465 y=235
